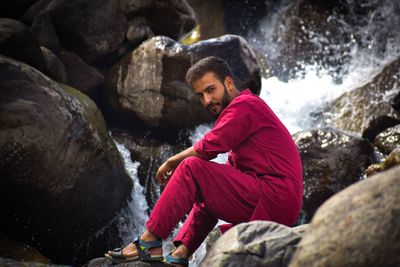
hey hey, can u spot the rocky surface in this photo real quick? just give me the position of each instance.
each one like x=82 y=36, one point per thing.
x=332 y=160
x=354 y=110
x=258 y=243
x=388 y=140
x=17 y=41
x=359 y=226
x=59 y=161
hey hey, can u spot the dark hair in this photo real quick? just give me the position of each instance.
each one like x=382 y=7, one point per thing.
x=212 y=64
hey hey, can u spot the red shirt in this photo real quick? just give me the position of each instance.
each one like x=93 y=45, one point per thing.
x=258 y=142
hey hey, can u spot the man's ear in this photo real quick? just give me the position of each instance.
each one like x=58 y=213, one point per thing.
x=229 y=84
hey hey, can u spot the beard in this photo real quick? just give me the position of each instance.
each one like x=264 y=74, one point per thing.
x=226 y=99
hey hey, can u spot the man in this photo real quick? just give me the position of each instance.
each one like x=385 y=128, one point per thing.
x=262 y=179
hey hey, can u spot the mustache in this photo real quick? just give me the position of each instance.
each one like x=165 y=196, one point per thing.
x=211 y=105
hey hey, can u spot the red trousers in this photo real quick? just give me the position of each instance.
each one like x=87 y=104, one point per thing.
x=212 y=191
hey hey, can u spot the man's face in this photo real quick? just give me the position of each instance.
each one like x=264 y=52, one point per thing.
x=213 y=94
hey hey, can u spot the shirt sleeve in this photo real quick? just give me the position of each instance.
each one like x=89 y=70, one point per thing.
x=232 y=127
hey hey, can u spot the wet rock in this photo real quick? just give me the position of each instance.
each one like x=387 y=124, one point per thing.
x=378 y=125
x=6 y=262
x=80 y=75
x=388 y=140
x=19 y=252
x=357 y=227
x=354 y=110
x=258 y=243
x=103 y=262
x=392 y=160
x=314 y=32
x=55 y=68
x=138 y=31
x=332 y=160
x=18 y=42
x=59 y=161
x=149 y=83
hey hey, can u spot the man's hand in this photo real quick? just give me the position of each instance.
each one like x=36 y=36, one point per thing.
x=164 y=172
x=167 y=168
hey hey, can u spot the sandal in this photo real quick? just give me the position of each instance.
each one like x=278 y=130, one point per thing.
x=173 y=260
x=143 y=247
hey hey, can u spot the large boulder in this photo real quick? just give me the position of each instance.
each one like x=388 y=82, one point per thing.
x=258 y=243
x=357 y=227
x=354 y=110
x=332 y=160
x=58 y=164
x=149 y=83
x=91 y=29
x=17 y=41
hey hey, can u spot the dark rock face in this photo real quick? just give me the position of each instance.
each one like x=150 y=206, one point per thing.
x=91 y=29
x=354 y=110
x=56 y=69
x=103 y=262
x=80 y=75
x=17 y=41
x=171 y=18
x=149 y=83
x=58 y=160
x=14 y=8
x=357 y=227
x=332 y=160
x=258 y=243
x=45 y=33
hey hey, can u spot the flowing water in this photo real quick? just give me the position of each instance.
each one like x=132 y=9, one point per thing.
x=296 y=100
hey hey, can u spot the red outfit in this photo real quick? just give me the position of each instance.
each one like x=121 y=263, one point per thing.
x=262 y=179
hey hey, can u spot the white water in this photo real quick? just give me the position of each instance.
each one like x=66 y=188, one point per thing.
x=133 y=224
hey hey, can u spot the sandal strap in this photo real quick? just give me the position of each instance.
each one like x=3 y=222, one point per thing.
x=144 y=246
x=173 y=260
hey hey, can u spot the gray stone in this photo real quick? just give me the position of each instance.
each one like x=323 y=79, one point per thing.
x=332 y=160
x=388 y=140
x=358 y=227
x=258 y=243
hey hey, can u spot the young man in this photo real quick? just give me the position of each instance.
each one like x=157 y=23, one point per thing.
x=262 y=179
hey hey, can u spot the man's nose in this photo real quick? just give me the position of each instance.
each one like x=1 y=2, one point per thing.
x=207 y=99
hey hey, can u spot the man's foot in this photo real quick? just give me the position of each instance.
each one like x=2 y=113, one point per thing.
x=180 y=255
x=130 y=252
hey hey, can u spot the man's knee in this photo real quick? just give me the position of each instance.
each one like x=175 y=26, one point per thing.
x=193 y=162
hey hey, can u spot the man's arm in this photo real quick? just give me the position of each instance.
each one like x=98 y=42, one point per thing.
x=166 y=169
